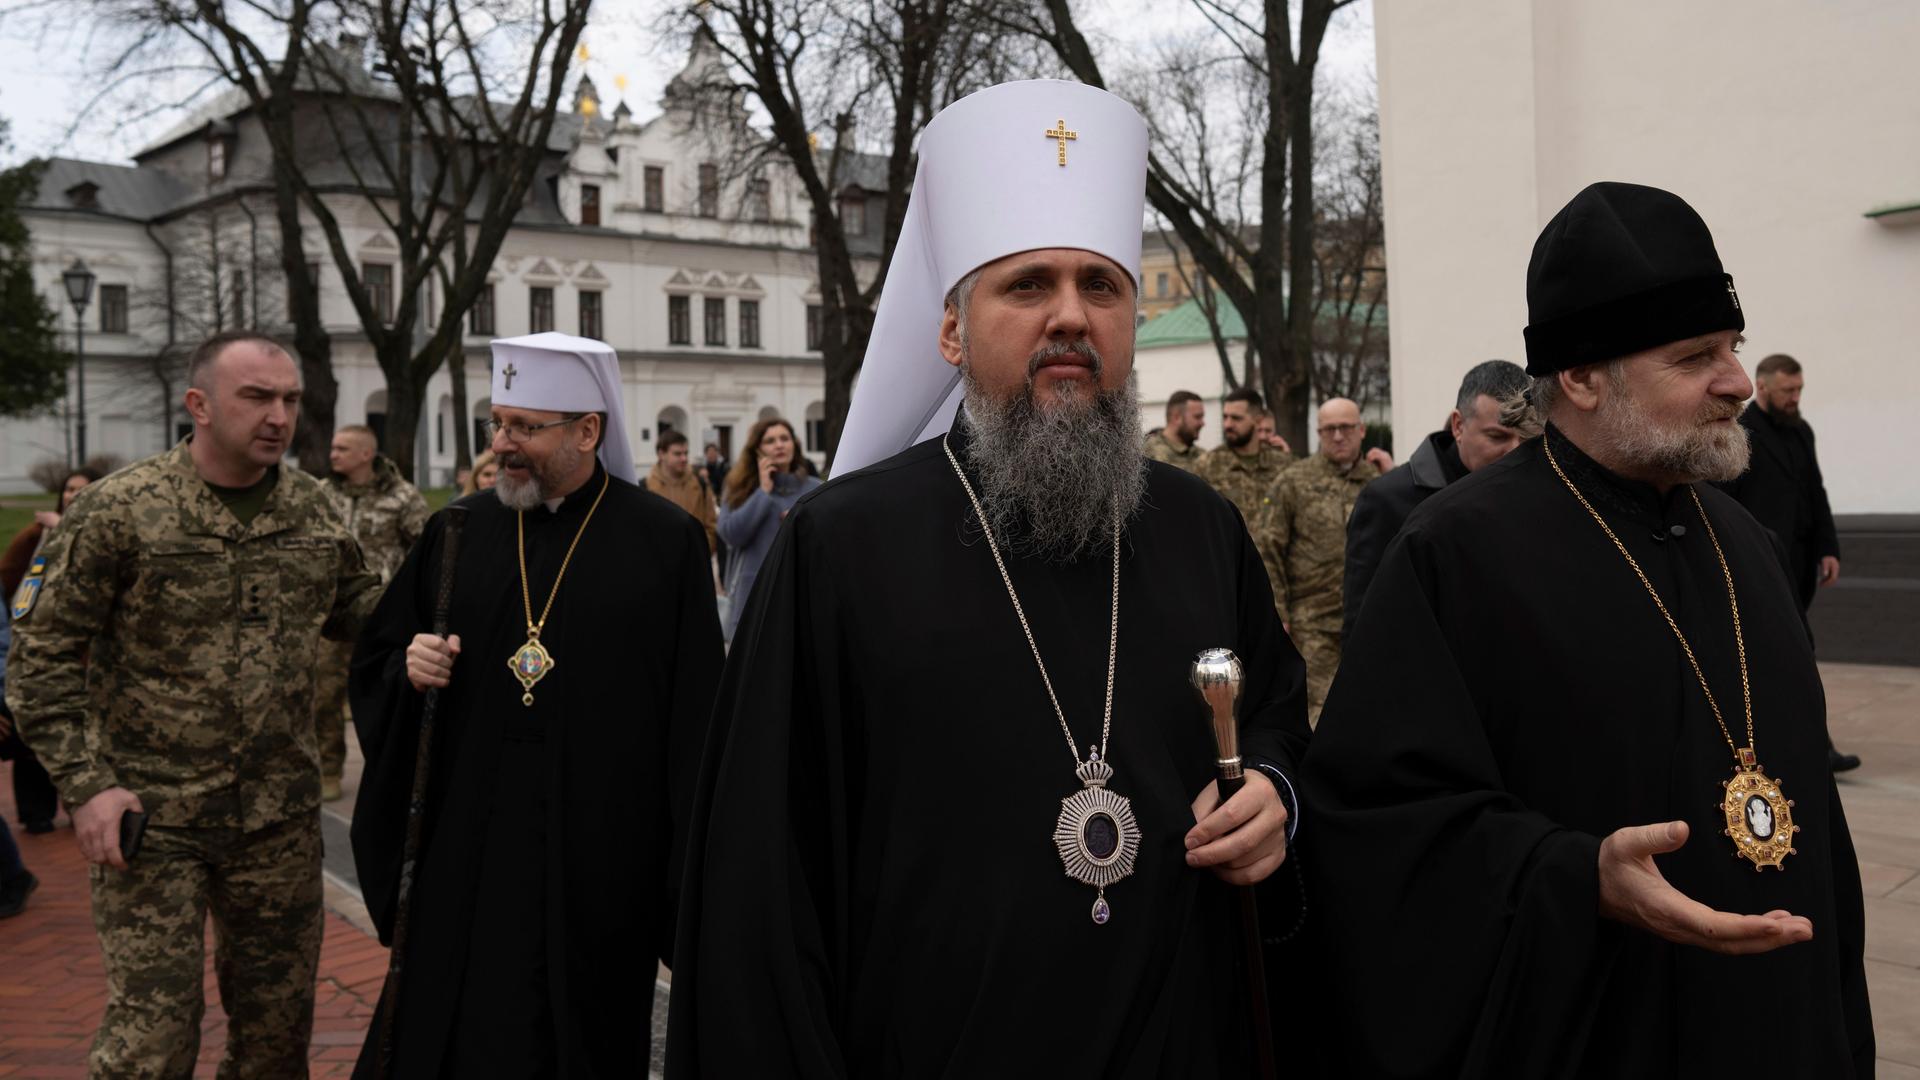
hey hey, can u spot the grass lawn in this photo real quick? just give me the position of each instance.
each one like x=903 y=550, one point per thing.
x=16 y=513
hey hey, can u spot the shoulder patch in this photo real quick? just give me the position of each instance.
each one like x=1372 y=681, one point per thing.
x=29 y=591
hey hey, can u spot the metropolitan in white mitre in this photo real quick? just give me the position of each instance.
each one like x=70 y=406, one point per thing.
x=958 y=816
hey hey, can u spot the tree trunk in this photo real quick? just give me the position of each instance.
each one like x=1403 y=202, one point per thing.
x=404 y=396
x=1300 y=237
x=462 y=426
x=312 y=345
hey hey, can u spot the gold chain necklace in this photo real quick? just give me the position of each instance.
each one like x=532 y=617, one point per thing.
x=1758 y=813
x=1096 y=832
x=531 y=662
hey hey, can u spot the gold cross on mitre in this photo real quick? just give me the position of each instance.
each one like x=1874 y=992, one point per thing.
x=509 y=372
x=1060 y=134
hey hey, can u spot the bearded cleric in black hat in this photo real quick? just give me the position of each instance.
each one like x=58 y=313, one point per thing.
x=1580 y=678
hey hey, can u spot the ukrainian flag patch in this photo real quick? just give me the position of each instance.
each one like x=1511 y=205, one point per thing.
x=29 y=591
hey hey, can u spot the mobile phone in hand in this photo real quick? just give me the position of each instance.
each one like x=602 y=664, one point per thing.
x=133 y=828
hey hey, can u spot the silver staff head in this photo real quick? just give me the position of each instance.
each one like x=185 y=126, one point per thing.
x=1217 y=676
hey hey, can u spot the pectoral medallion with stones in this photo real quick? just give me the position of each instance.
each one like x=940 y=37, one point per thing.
x=1759 y=815
x=1096 y=833
x=530 y=664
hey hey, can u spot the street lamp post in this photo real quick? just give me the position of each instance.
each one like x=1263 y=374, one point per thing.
x=79 y=282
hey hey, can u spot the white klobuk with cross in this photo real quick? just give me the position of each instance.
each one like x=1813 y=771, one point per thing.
x=982 y=191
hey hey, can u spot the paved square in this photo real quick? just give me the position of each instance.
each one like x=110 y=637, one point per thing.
x=52 y=989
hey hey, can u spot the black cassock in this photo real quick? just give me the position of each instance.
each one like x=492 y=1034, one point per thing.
x=1510 y=697
x=546 y=891
x=873 y=887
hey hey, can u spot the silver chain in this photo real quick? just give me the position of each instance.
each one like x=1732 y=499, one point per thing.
x=1113 y=630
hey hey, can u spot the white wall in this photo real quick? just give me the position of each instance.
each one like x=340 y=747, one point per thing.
x=1161 y=371
x=1782 y=124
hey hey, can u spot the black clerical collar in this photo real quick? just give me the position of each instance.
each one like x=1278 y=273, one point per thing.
x=575 y=503
x=960 y=435
x=1610 y=489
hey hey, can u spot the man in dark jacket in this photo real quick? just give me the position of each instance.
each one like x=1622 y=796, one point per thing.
x=1784 y=490
x=1474 y=437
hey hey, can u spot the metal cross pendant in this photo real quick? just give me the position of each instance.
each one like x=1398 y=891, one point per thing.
x=1060 y=134
x=510 y=372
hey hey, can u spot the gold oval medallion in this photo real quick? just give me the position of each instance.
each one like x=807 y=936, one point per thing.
x=1759 y=818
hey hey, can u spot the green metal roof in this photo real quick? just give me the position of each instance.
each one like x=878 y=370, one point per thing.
x=1895 y=213
x=1187 y=325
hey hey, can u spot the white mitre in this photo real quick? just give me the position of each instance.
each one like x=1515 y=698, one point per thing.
x=1015 y=167
x=562 y=373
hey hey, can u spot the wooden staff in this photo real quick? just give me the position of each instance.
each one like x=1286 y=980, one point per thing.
x=456 y=519
x=1217 y=676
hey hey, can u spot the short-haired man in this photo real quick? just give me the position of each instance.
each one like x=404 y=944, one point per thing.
x=1533 y=785
x=1783 y=488
x=1302 y=532
x=1178 y=444
x=673 y=478
x=1244 y=466
x=163 y=664
x=1268 y=431
x=386 y=514
x=1475 y=436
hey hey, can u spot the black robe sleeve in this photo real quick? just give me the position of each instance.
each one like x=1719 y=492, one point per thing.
x=386 y=720
x=1826 y=539
x=1369 y=529
x=1273 y=720
x=1465 y=918
x=697 y=662
x=774 y=884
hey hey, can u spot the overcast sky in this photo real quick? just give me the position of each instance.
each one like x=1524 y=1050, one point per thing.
x=50 y=70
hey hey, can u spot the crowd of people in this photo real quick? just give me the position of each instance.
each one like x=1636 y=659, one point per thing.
x=1485 y=728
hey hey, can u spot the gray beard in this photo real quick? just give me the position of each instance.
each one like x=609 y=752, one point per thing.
x=1690 y=453
x=1052 y=482
x=544 y=478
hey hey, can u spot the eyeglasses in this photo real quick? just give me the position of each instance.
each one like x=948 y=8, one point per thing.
x=1338 y=429
x=520 y=434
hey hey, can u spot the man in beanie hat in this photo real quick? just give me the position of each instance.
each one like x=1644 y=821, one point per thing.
x=965 y=669
x=574 y=688
x=1577 y=660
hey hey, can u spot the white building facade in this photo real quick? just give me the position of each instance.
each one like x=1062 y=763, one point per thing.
x=699 y=271
x=1794 y=131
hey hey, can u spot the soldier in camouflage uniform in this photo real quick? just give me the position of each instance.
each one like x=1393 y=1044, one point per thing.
x=1177 y=444
x=1244 y=467
x=191 y=612
x=386 y=514
x=1302 y=536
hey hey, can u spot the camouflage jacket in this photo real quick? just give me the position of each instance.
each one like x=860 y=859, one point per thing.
x=1245 y=479
x=386 y=515
x=1302 y=536
x=1159 y=449
x=163 y=647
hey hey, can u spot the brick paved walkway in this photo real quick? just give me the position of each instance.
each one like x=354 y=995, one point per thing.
x=52 y=987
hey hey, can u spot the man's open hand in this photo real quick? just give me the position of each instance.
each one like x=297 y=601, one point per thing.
x=1245 y=841
x=1633 y=891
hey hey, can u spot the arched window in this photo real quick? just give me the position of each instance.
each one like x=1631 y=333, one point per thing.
x=816 y=425
x=482 y=409
x=671 y=418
